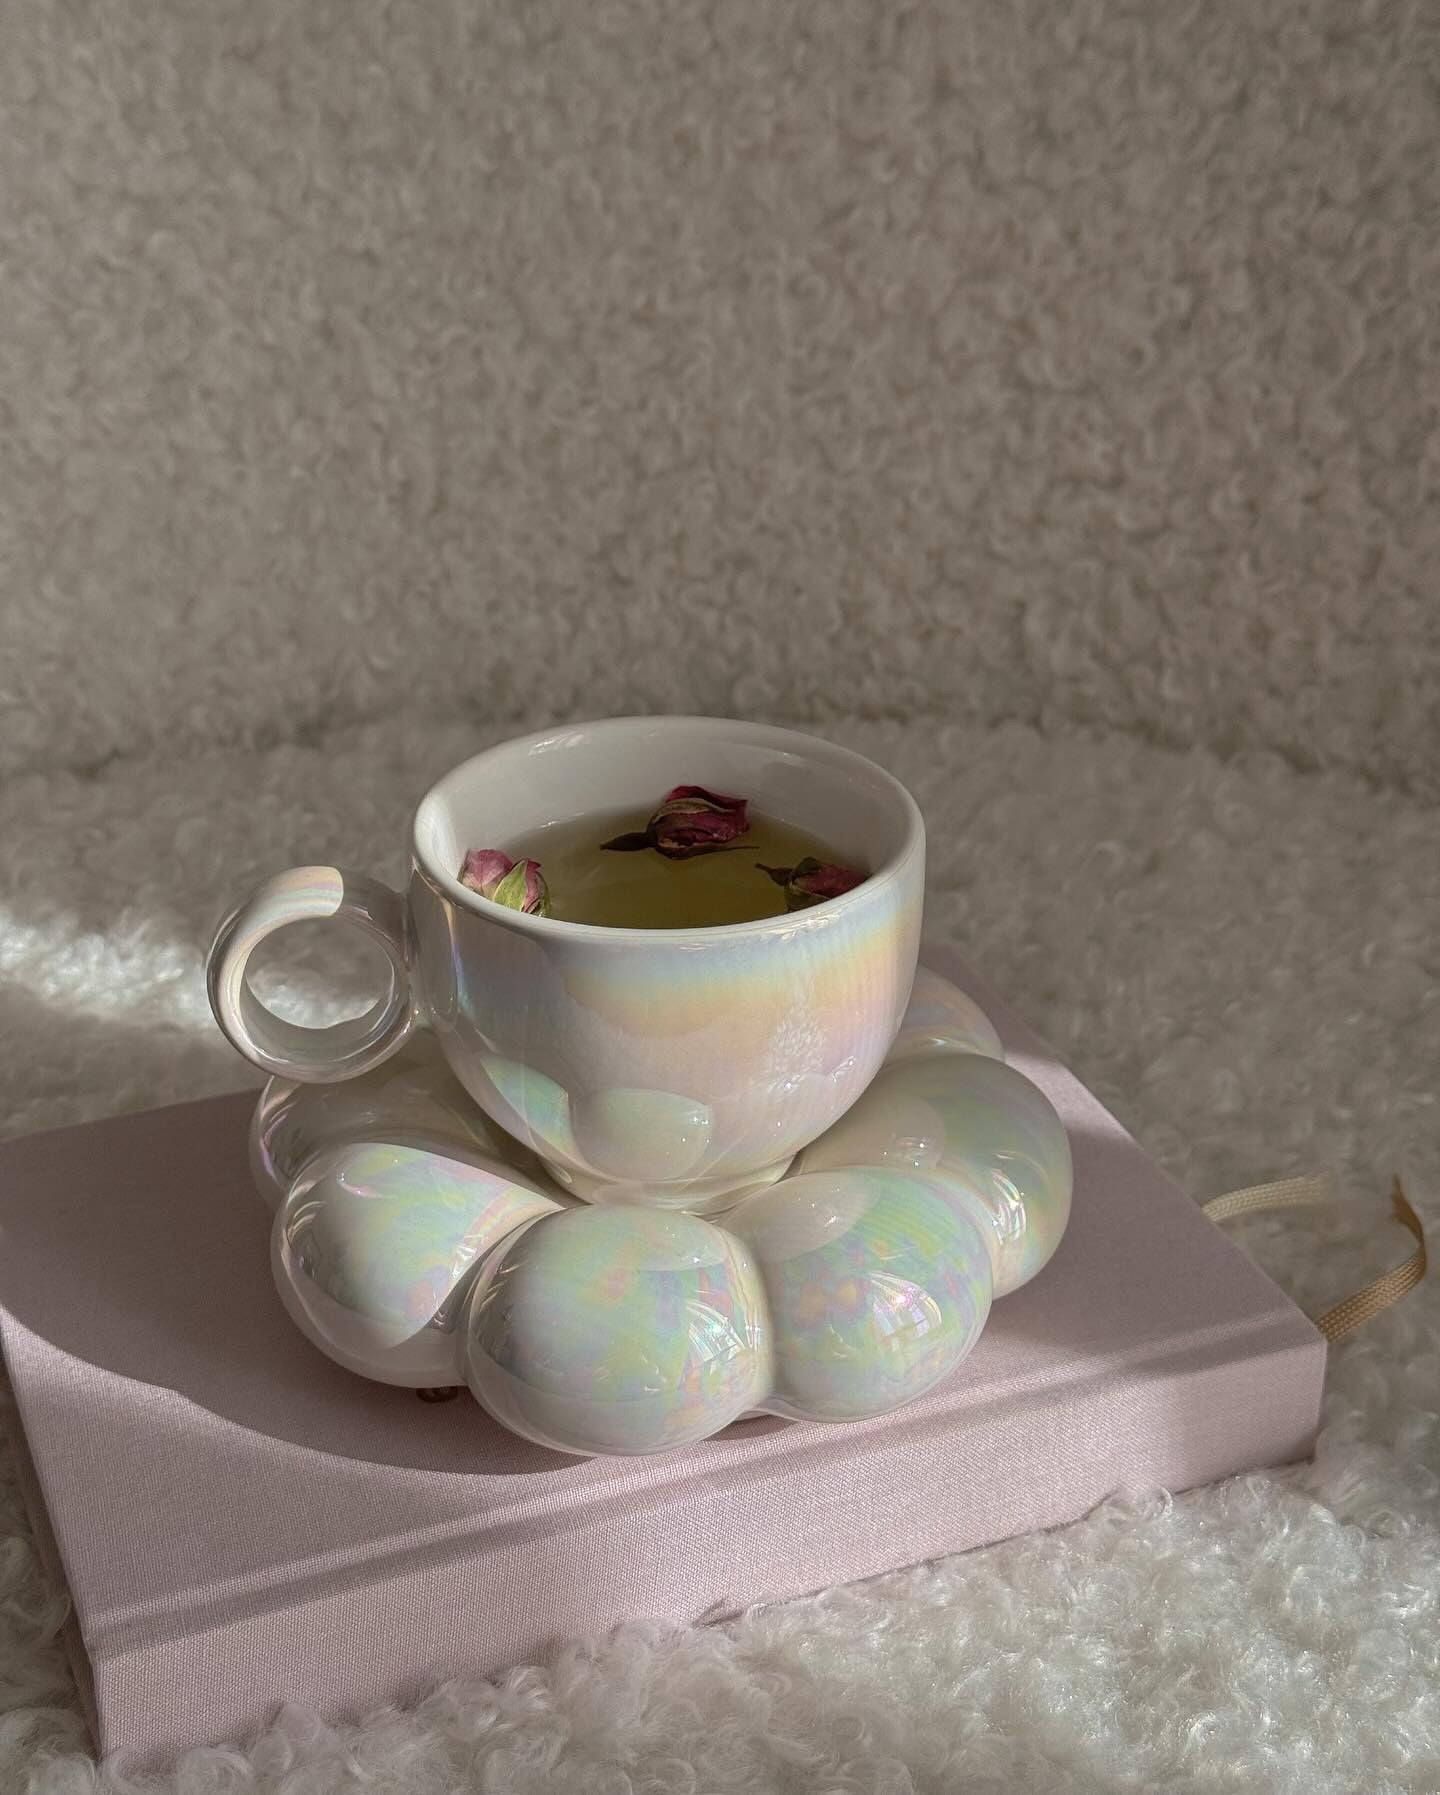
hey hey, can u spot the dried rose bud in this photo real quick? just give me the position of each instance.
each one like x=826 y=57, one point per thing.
x=691 y=821
x=484 y=868
x=516 y=884
x=811 y=882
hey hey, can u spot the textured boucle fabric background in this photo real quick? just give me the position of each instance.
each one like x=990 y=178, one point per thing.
x=1042 y=399
x=1060 y=360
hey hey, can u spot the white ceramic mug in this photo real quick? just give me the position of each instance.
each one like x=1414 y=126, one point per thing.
x=672 y=1066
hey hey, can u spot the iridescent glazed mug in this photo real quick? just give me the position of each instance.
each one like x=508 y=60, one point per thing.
x=674 y=1067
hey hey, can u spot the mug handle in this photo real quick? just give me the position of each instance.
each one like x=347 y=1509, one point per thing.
x=311 y=1055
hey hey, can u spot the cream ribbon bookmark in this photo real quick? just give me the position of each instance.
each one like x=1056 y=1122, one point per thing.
x=1296 y=1193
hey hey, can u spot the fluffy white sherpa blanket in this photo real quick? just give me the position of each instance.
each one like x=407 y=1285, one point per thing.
x=1239 y=957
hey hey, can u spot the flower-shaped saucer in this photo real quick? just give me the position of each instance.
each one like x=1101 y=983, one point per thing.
x=417 y=1244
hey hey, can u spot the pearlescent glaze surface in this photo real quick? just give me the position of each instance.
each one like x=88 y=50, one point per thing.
x=941 y=1018
x=844 y=1290
x=877 y=1289
x=373 y=1248
x=662 y=1062
x=657 y=1135
x=309 y=1055
x=663 y=1065
x=529 y=1103
x=412 y=1100
x=619 y=1329
x=981 y=1129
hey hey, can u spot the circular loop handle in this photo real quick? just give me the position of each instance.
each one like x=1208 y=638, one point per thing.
x=311 y=1055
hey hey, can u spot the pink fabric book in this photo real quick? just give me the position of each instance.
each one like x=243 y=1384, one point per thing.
x=240 y=1522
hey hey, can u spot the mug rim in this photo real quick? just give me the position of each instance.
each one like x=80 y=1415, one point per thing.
x=449 y=886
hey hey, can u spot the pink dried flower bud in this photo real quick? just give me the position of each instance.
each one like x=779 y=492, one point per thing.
x=516 y=885
x=484 y=868
x=811 y=881
x=690 y=821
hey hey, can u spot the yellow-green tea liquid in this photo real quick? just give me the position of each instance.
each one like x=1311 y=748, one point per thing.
x=644 y=890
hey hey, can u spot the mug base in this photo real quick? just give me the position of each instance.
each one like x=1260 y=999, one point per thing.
x=698 y=1196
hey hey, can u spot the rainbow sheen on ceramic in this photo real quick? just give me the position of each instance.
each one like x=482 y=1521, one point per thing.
x=413 y=1099
x=309 y=1055
x=669 y=1066
x=978 y=1128
x=374 y=1248
x=877 y=1288
x=662 y=1135
x=411 y=1255
x=941 y=1018
x=618 y=1329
